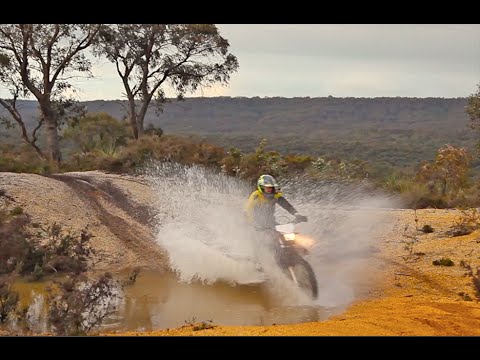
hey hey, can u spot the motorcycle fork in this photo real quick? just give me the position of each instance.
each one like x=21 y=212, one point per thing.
x=292 y=274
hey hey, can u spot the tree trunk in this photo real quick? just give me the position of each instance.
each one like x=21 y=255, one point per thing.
x=53 y=146
x=140 y=127
x=133 y=118
x=141 y=118
x=444 y=187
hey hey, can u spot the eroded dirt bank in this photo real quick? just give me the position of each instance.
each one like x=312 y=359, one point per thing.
x=116 y=209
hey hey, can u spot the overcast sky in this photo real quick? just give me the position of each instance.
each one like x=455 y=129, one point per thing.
x=353 y=60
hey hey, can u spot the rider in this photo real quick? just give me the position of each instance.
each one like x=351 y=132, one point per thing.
x=261 y=203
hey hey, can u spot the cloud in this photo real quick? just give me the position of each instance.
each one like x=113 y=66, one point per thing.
x=348 y=77
x=344 y=60
x=358 y=41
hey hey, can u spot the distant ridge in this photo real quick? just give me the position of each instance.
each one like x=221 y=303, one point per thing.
x=393 y=130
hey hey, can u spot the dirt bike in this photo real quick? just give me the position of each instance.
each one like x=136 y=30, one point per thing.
x=289 y=254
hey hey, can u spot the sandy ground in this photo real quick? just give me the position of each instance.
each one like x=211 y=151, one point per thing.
x=409 y=295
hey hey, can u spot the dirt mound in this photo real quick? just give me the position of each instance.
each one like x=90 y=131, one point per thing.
x=115 y=209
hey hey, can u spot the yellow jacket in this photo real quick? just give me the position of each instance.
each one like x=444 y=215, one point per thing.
x=260 y=210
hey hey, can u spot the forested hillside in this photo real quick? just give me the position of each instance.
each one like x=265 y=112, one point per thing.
x=385 y=131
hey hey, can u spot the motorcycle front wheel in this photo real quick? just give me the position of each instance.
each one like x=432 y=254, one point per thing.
x=302 y=274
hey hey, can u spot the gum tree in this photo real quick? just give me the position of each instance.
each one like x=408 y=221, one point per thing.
x=42 y=59
x=473 y=112
x=150 y=58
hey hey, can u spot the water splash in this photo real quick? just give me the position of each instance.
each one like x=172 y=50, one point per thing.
x=201 y=223
x=346 y=221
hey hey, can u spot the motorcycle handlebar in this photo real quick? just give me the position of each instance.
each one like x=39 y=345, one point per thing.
x=298 y=219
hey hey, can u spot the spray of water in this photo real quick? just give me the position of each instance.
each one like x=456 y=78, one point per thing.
x=346 y=221
x=201 y=223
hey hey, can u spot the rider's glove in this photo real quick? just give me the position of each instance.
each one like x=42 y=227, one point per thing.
x=300 y=218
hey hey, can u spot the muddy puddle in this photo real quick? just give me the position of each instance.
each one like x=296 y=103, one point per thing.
x=159 y=301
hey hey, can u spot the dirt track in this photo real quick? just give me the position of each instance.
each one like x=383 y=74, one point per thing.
x=102 y=203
